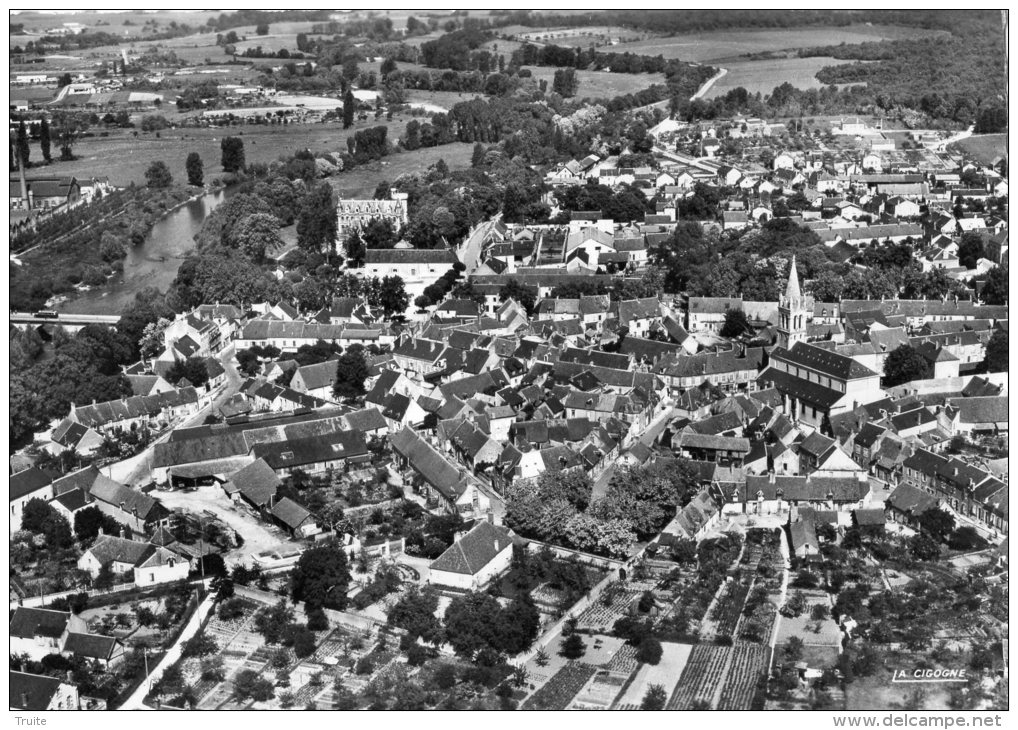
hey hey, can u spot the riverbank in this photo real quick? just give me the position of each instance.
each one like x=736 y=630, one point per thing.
x=88 y=245
x=154 y=262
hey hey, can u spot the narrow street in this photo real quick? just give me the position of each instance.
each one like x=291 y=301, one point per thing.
x=136 y=700
x=471 y=250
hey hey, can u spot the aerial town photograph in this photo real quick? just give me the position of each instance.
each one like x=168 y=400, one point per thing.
x=509 y=360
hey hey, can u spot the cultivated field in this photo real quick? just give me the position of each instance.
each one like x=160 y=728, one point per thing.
x=724 y=45
x=983 y=148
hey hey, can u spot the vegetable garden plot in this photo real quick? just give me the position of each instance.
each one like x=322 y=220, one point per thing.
x=561 y=689
x=747 y=667
x=702 y=677
x=728 y=609
x=721 y=677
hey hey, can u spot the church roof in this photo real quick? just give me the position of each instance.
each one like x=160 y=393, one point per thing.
x=792 y=291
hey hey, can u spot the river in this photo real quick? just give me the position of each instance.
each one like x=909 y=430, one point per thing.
x=152 y=263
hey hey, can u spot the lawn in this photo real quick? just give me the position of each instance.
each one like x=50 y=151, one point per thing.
x=716 y=45
x=983 y=148
x=803 y=626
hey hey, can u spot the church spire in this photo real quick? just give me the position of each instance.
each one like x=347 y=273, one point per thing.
x=792 y=289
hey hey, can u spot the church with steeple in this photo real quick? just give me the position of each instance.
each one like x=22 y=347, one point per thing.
x=794 y=310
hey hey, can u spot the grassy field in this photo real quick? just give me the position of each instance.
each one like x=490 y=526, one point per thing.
x=716 y=45
x=764 y=75
x=983 y=148
x=362 y=181
x=597 y=84
x=124 y=158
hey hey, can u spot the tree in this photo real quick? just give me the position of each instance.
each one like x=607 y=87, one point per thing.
x=272 y=621
x=262 y=29
x=655 y=698
x=223 y=586
x=195 y=171
x=317 y=221
x=320 y=578
x=565 y=82
x=21 y=144
x=232 y=154
x=35 y=515
x=349 y=109
x=649 y=651
x=67 y=135
x=996 y=359
x=249 y=684
x=473 y=622
x=970 y=249
x=921 y=547
x=573 y=647
x=994 y=290
x=199 y=645
x=89 y=521
x=477 y=158
x=193 y=368
x=351 y=372
x=937 y=523
x=304 y=643
x=522 y=623
x=392 y=297
x=904 y=365
x=255 y=235
x=414 y=612
x=966 y=538
x=355 y=249
x=524 y=295
x=158 y=175
x=44 y=139
x=736 y=323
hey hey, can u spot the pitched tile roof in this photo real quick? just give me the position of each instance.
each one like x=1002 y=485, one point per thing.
x=257 y=481
x=290 y=513
x=91 y=646
x=31 y=691
x=27 y=623
x=30 y=480
x=823 y=361
x=475 y=550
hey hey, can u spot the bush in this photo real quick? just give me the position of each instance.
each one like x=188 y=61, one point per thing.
x=364 y=666
x=230 y=609
x=199 y=645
